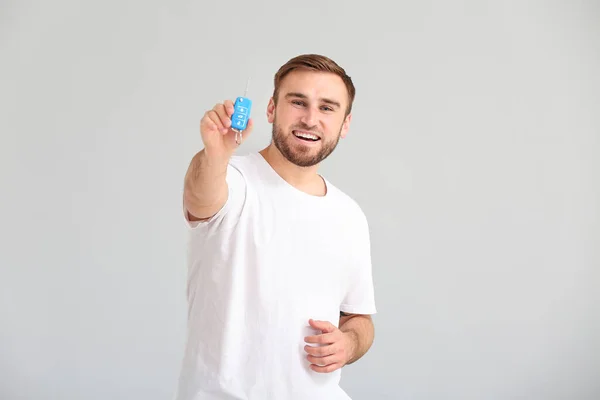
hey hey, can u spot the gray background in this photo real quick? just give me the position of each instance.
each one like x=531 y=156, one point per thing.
x=473 y=151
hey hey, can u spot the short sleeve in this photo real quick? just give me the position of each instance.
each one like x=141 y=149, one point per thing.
x=360 y=293
x=236 y=196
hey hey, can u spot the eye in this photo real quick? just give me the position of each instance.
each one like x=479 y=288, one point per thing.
x=298 y=102
x=326 y=108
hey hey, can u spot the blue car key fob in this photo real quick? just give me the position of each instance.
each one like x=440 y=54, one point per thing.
x=241 y=115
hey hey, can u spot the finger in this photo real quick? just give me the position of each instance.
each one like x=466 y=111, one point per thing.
x=222 y=113
x=324 y=361
x=326 y=338
x=325 y=369
x=214 y=117
x=229 y=107
x=324 y=326
x=321 y=351
x=249 y=127
x=207 y=123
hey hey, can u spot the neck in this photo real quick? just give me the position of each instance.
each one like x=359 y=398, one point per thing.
x=303 y=178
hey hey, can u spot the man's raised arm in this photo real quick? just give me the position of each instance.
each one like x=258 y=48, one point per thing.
x=205 y=187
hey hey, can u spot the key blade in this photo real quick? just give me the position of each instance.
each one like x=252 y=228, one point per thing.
x=247 y=86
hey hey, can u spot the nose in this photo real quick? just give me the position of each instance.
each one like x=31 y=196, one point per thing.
x=309 y=117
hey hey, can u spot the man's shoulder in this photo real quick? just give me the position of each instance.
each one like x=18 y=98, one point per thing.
x=347 y=203
x=247 y=165
x=242 y=160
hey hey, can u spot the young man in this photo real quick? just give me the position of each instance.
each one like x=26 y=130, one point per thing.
x=280 y=286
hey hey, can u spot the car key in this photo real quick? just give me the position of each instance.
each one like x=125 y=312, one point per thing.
x=241 y=114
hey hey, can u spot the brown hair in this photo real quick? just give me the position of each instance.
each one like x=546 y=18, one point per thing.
x=315 y=62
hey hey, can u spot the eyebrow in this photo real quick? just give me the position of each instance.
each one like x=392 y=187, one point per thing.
x=303 y=96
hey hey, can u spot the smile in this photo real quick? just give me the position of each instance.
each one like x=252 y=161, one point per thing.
x=302 y=135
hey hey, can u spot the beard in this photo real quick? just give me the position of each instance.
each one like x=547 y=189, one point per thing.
x=302 y=156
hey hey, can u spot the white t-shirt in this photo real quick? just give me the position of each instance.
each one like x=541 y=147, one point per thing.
x=272 y=258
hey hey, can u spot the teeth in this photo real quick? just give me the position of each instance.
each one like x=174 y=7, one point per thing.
x=306 y=135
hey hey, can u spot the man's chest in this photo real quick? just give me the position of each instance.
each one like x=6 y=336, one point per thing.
x=303 y=253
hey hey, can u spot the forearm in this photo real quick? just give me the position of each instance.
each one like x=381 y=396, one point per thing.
x=205 y=187
x=361 y=332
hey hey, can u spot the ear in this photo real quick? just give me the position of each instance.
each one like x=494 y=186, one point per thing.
x=346 y=126
x=271 y=111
